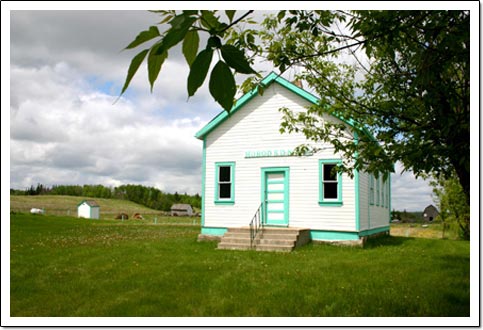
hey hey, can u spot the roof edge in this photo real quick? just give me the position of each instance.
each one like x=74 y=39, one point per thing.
x=267 y=81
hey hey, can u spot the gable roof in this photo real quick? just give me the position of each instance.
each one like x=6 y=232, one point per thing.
x=267 y=81
x=430 y=207
x=89 y=202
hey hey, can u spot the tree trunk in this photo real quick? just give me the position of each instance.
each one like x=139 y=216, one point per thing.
x=464 y=179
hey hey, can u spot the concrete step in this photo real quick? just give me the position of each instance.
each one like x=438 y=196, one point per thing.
x=279 y=236
x=281 y=242
x=268 y=239
x=238 y=240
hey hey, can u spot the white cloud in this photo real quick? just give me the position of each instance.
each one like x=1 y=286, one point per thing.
x=409 y=193
x=65 y=132
x=66 y=71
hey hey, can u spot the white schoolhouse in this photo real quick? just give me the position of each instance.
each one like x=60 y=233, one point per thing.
x=248 y=166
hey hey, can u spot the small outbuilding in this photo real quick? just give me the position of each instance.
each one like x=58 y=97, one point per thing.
x=88 y=209
x=430 y=213
x=181 y=209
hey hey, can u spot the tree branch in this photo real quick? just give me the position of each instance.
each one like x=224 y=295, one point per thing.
x=237 y=20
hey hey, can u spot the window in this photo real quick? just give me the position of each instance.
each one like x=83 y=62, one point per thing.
x=383 y=186
x=225 y=183
x=371 y=189
x=330 y=182
x=377 y=191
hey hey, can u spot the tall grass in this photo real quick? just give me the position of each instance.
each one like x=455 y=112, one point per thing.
x=64 y=266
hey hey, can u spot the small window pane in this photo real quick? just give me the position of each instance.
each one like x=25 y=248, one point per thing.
x=225 y=190
x=330 y=190
x=224 y=173
x=329 y=173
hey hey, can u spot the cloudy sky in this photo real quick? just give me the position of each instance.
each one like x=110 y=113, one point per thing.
x=66 y=72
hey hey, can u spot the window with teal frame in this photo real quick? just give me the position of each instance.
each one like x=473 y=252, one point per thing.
x=371 y=189
x=225 y=183
x=330 y=182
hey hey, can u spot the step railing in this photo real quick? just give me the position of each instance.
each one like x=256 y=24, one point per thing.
x=256 y=225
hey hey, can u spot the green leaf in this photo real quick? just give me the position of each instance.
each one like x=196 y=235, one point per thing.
x=236 y=59
x=191 y=43
x=190 y=12
x=144 y=36
x=222 y=85
x=198 y=70
x=230 y=14
x=209 y=20
x=166 y=19
x=213 y=42
x=180 y=27
x=133 y=67
x=154 y=64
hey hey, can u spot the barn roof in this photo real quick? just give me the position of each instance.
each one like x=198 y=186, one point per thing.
x=89 y=202
x=181 y=207
x=430 y=207
x=268 y=80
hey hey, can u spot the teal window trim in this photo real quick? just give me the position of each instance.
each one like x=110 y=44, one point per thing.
x=331 y=201
x=226 y=201
x=371 y=189
x=203 y=182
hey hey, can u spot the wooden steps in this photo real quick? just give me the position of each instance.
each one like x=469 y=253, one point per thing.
x=269 y=239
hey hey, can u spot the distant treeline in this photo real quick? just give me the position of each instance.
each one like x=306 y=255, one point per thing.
x=148 y=196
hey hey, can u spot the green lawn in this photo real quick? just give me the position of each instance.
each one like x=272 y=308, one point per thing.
x=63 y=266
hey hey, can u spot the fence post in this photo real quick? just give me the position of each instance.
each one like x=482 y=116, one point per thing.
x=155 y=220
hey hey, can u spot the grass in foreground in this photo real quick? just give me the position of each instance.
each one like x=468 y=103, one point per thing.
x=69 y=267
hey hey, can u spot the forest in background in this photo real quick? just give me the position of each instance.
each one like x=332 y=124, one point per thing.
x=147 y=196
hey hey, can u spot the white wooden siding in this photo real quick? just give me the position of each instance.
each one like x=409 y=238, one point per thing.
x=371 y=216
x=85 y=211
x=256 y=127
x=363 y=201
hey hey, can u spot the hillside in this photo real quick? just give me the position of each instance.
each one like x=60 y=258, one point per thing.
x=67 y=205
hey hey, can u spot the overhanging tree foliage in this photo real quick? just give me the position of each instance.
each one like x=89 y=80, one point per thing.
x=450 y=199
x=401 y=75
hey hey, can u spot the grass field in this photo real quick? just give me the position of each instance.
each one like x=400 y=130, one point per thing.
x=63 y=266
x=109 y=208
x=425 y=230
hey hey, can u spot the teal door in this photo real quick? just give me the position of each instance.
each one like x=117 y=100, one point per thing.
x=275 y=184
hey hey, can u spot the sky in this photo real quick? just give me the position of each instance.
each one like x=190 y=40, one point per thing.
x=62 y=72
x=68 y=126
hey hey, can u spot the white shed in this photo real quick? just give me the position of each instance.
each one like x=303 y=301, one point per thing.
x=181 y=209
x=248 y=165
x=88 y=209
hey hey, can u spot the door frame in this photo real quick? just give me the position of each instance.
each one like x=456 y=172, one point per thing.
x=263 y=195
